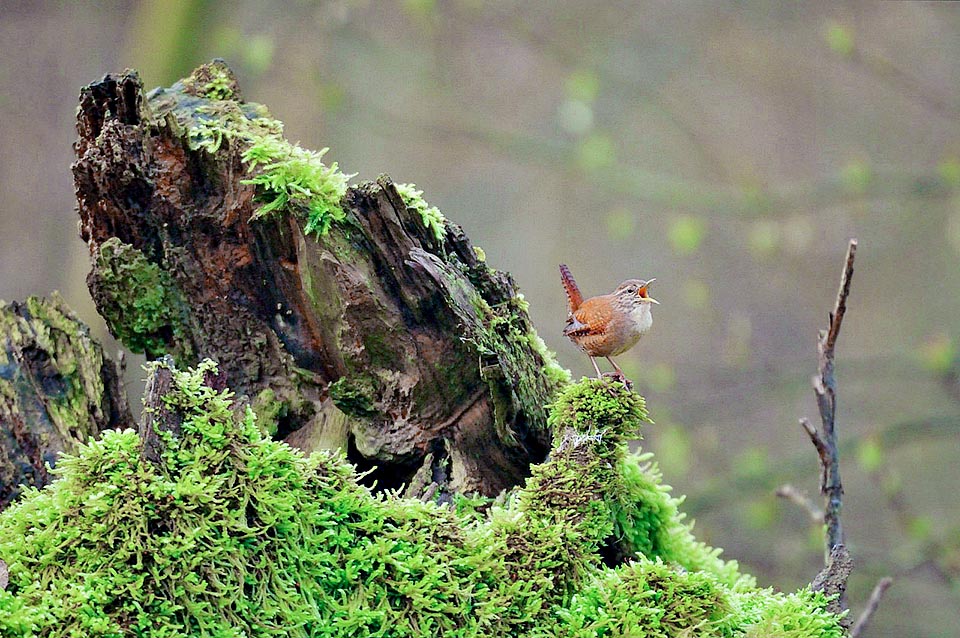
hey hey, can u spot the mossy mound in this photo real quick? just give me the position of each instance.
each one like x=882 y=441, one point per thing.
x=232 y=534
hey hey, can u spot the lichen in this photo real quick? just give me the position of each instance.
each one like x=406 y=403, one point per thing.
x=232 y=534
x=431 y=216
x=140 y=302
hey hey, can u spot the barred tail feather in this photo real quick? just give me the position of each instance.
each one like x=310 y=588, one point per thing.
x=574 y=298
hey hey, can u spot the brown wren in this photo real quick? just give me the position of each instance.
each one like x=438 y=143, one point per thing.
x=608 y=325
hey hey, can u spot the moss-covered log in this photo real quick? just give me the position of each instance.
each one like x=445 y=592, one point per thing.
x=57 y=389
x=216 y=530
x=351 y=317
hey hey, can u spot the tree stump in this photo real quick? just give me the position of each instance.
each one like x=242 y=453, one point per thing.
x=57 y=390
x=381 y=331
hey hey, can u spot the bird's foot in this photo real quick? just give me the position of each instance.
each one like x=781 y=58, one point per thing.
x=619 y=376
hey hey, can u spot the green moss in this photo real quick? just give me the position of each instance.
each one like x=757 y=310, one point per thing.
x=269 y=410
x=73 y=391
x=354 y=395
x=141 y=304
x=232 y=534
x=650 y=599
x=431 y=216
x=220 y=87
x=602 y=407
x=648 y=522
x=288 y=177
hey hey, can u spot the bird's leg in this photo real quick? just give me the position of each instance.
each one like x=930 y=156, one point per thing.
x=596 y=367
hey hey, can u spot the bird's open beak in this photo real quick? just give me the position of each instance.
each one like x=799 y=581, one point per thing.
x=645 y=296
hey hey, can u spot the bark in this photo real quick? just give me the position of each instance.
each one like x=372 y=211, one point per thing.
x=378 y=337
x=57 y=389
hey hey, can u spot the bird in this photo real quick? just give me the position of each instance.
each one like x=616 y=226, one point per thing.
x=608 y=325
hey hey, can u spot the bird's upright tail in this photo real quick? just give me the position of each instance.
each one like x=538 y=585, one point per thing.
x=574 y=298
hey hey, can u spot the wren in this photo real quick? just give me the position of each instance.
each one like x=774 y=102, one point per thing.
x=608 y=325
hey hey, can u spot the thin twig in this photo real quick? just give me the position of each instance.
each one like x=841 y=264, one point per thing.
x=832 y=580
x=881 y=588
x=825 y=388
x=797 y=497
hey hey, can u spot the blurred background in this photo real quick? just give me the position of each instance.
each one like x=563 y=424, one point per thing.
x=728 y=149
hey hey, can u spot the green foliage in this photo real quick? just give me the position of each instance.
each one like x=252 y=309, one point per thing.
x=232 y=534
x=431 y=216
x=648 y=522
x=143 y=308
x=220 y=87
x=650 y=599
x=596 y=152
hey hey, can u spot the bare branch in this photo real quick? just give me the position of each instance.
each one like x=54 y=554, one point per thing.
x=833 y=578
x=836 y=318
x=881 y=588
x=825 y=388
x=797 y=497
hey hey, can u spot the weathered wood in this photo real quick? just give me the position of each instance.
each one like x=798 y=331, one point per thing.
x=57 y=389
x=384 y=336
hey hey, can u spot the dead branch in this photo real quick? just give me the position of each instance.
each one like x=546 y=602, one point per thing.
x=881 y=588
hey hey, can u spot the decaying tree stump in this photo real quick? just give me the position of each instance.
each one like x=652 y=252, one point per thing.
x=56 y=390
x=386 y=335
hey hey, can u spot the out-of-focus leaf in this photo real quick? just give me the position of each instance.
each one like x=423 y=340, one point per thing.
x=870 y=455
x=583 y=85
x=938 y=353
x=621 y=224
x=686 y=233
x=673 y=449
x=949 y=170
x=764 y=237
x=856 y=176
x=840 y=39
x=596 y=152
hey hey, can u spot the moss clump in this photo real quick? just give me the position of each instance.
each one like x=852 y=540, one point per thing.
x=232 y=534
x=431 y=216
x=291 y=176
x=141 y=304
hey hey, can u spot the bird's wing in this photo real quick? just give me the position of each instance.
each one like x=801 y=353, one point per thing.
x=591 y=318
x=574 y=298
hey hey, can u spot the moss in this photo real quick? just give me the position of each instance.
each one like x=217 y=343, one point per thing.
x=648 y=522
x=269 y=410
x=232 y=534
x=650 y=599
x=598 y=406
x=433 y=220
x=66 y=368
x=354 y=395
x=288 y=178
x=142 y=306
